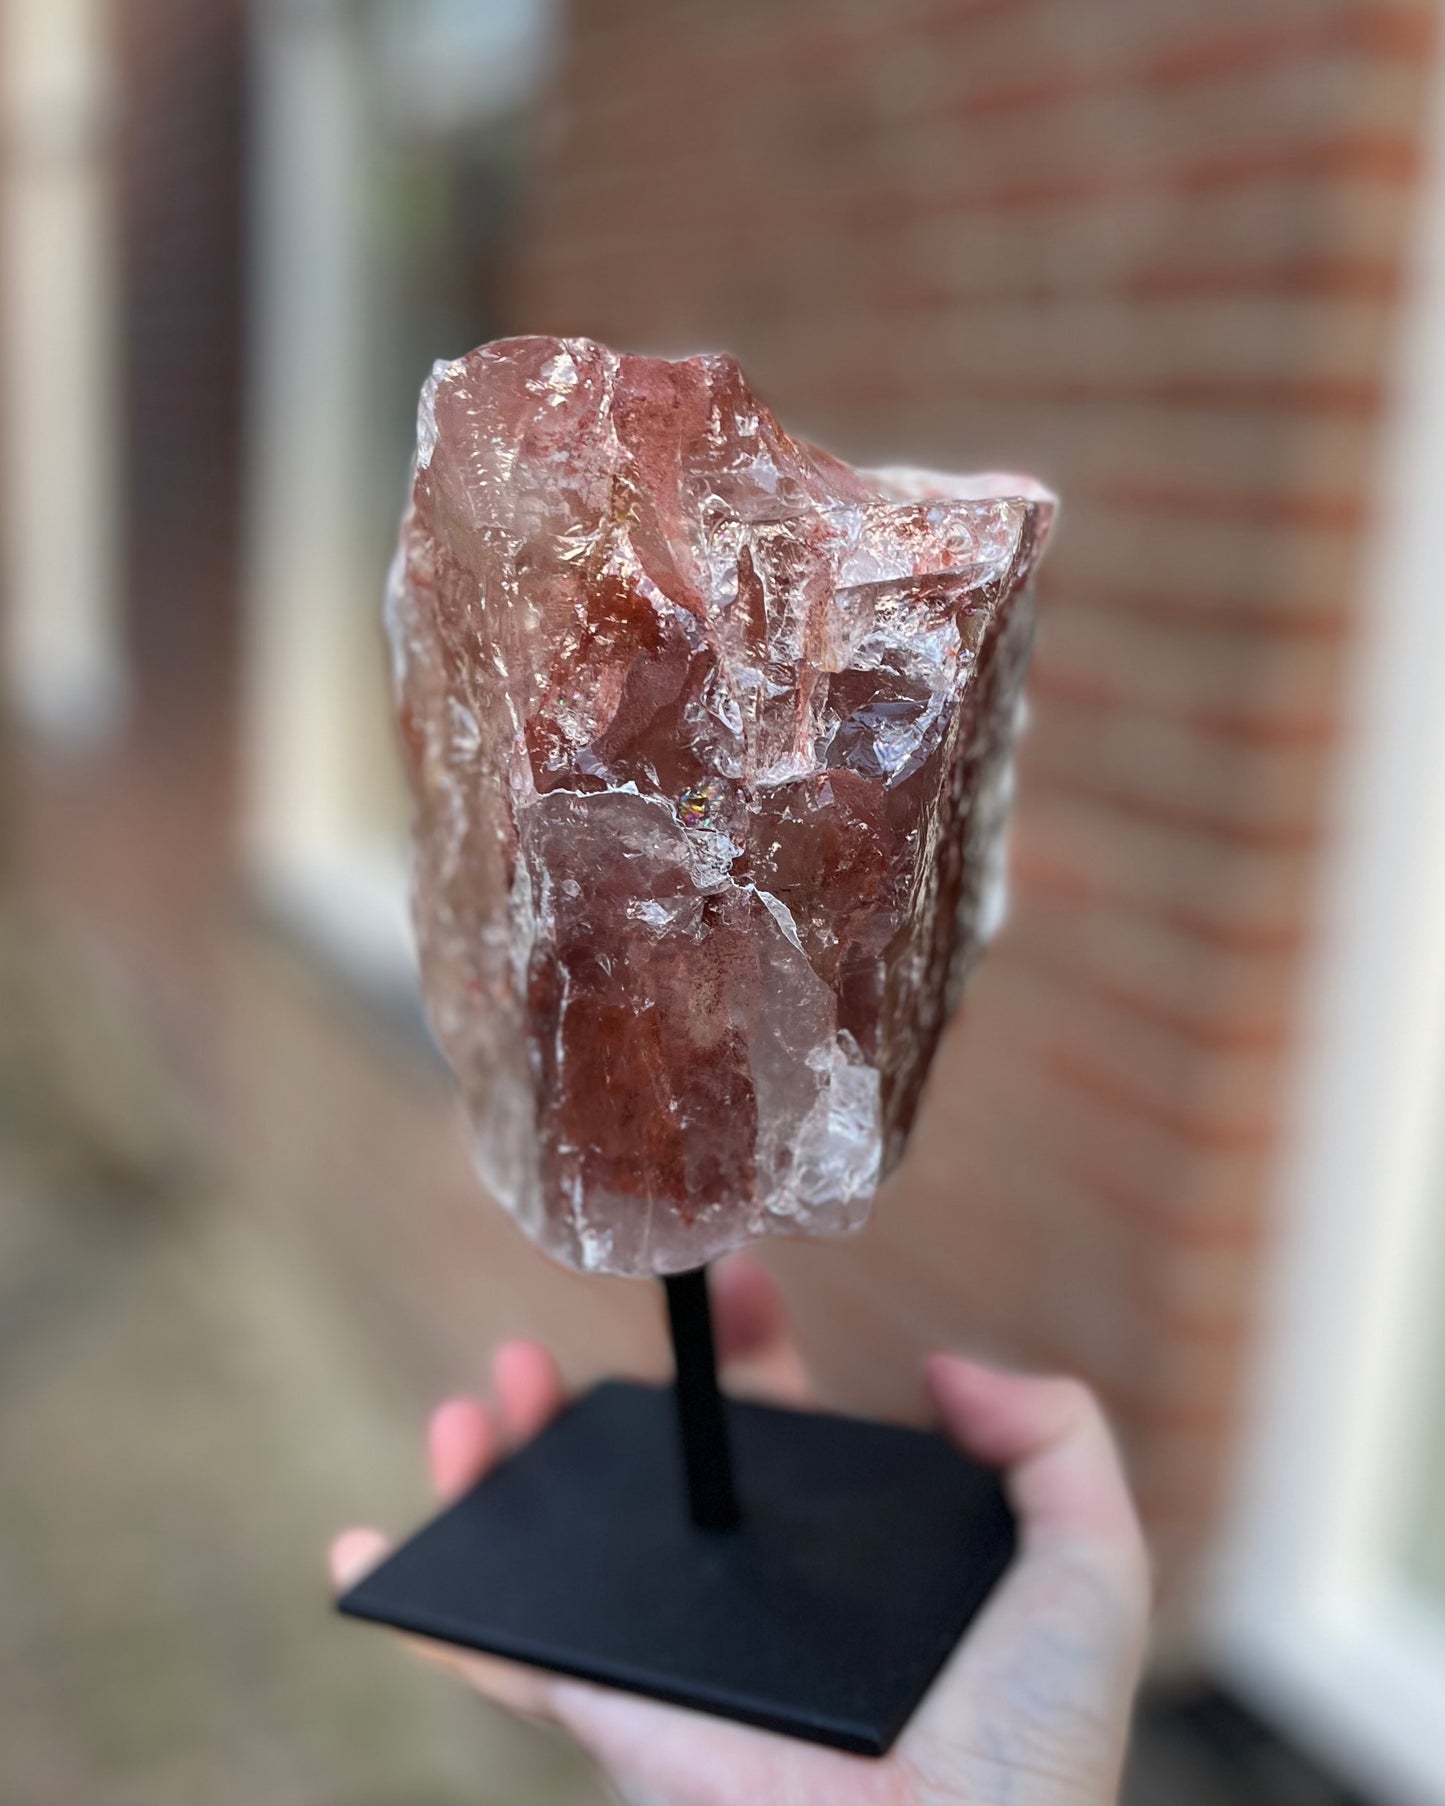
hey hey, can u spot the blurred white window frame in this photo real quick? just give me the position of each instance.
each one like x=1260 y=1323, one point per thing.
x=62 y=654
x=311 y=591
x=321 y=70
x=1312 y=1614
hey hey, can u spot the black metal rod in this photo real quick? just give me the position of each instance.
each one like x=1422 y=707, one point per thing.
x=701 y=1411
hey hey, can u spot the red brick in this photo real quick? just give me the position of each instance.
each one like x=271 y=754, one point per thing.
x=1222 y=998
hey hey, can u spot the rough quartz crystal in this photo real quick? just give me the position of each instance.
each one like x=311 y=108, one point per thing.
x=709 y=736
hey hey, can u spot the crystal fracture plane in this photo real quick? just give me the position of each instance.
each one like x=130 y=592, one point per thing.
x=709 y=736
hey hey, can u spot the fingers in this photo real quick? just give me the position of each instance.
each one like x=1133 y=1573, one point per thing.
x=466 y=1439
x=462 y=1443
x=528 y=1389
x=356 y=1552
x=353 y=1555
x=749 y=1315
x=1064 y=1474
x=751 y=1325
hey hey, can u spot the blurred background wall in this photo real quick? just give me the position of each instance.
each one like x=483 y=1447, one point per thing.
x=1151 y=252
x=1181 y=261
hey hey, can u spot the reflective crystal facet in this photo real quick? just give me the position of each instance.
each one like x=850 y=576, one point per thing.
x=709 y=736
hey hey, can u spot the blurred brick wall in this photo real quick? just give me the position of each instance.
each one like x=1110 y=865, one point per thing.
x=1149 y=249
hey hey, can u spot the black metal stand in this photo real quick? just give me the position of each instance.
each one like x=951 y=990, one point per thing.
x=816 y=1592
x=706 y=1453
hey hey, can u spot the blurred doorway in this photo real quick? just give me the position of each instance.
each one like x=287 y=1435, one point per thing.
x=390 y=142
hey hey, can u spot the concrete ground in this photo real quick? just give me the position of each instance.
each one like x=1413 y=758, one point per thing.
x=185 y=1416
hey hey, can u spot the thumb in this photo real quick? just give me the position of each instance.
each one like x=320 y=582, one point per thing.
x=1061 y=1463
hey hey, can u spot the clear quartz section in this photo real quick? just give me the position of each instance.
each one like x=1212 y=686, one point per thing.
x=709 y=736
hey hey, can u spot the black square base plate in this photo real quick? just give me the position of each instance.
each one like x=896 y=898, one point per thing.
x=863 y=1552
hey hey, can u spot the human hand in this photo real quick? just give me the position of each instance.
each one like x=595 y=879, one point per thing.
x=1033 y=1706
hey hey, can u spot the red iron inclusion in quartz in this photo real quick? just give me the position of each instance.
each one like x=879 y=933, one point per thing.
x=709 y=736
